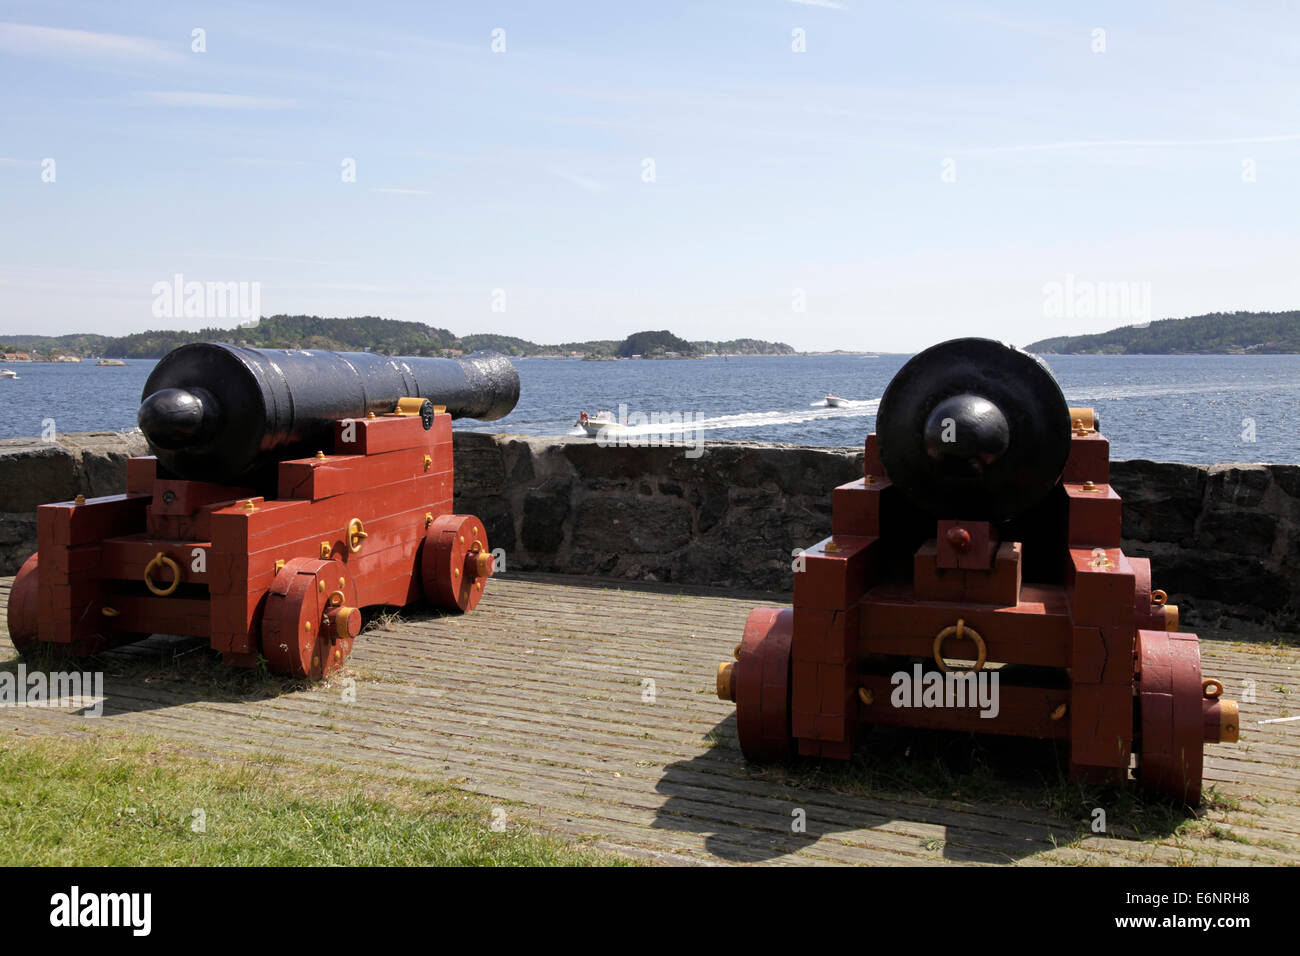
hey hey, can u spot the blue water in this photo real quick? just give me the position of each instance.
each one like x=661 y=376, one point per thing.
x=1168 y=408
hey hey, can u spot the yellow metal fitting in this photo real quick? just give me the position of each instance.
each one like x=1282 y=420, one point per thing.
x=1171 y=617
x=109 y=611
x=1059 y=712
x=1083 y=420
x=279 y=566
x=428 y=519
x=428 y=462
x=326 y=550
x=723 y=681
x=1229 y=722
x=159 y=562
x=79 y=500
x=320 y=454
x=960 y=630
x=409 y=406
x=865 y=696
x=356 y=534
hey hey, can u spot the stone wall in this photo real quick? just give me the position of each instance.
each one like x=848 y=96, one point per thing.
x=33 y=471
x=1224 y=541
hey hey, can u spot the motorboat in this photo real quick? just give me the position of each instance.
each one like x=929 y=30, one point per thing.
x=834 y=401
x=592 y=424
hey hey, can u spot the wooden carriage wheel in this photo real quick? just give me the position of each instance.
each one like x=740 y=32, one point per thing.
x=1170 y=716
x=22 y=619
x=761 y=685
x=455 y=562
x=311 y=618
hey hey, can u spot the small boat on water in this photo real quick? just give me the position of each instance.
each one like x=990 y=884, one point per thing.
x=8 y=373
x=592 y=424
x=834 y=401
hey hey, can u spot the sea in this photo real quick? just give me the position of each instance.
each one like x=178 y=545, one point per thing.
x=1200 y=409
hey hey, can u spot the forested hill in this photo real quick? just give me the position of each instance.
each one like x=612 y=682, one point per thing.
x=1218 y=333
x=387 y=336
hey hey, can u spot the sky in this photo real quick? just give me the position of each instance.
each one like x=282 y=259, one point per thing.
x=856 y=175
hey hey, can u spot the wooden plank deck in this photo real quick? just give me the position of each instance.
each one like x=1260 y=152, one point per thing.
x=539 y=699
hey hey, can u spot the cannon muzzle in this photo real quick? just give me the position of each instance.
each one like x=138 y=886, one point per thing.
x=972 y=428
x=219 y=413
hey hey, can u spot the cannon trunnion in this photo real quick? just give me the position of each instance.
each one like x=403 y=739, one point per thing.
x=974 y=581
x=227 y=534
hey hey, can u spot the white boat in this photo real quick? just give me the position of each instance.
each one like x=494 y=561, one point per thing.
x=592 y=424
x=834 y=401
x=8 y=373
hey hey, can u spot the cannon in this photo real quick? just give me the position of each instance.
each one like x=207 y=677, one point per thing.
x=287 y=491
x=974 y=581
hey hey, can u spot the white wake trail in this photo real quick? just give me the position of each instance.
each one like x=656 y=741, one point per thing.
x=854 y=409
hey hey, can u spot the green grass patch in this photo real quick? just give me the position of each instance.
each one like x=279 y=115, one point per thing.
x=108 y=800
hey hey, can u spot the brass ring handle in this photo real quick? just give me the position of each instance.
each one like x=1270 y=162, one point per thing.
x=959 y=630
x=1212 y=683
x=160 y=561
x=355 y=535
x=335 y=599
x=1159 y=597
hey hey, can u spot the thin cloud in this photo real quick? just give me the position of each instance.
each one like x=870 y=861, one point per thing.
x=255 y=161
x=9 y=161
x=22 y=38
x=397 y=191
x=1019 y=26
x=590 y=185
x=828 y=4
x=215 y=101
x=1133 y=143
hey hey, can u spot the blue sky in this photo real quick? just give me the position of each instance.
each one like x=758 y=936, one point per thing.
x=780 y=177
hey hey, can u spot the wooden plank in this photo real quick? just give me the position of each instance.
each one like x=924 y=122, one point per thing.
x=536 y=699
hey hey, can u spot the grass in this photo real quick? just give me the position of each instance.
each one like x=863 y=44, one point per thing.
x=110 y=800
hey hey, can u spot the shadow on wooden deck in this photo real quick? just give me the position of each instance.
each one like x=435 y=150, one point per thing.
x=587 y=707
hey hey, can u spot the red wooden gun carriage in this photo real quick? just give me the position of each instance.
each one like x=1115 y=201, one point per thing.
x=984 y=529
x=289 y=490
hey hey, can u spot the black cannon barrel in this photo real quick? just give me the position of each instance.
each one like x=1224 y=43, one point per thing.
x=221 y=413
x=976 y=429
